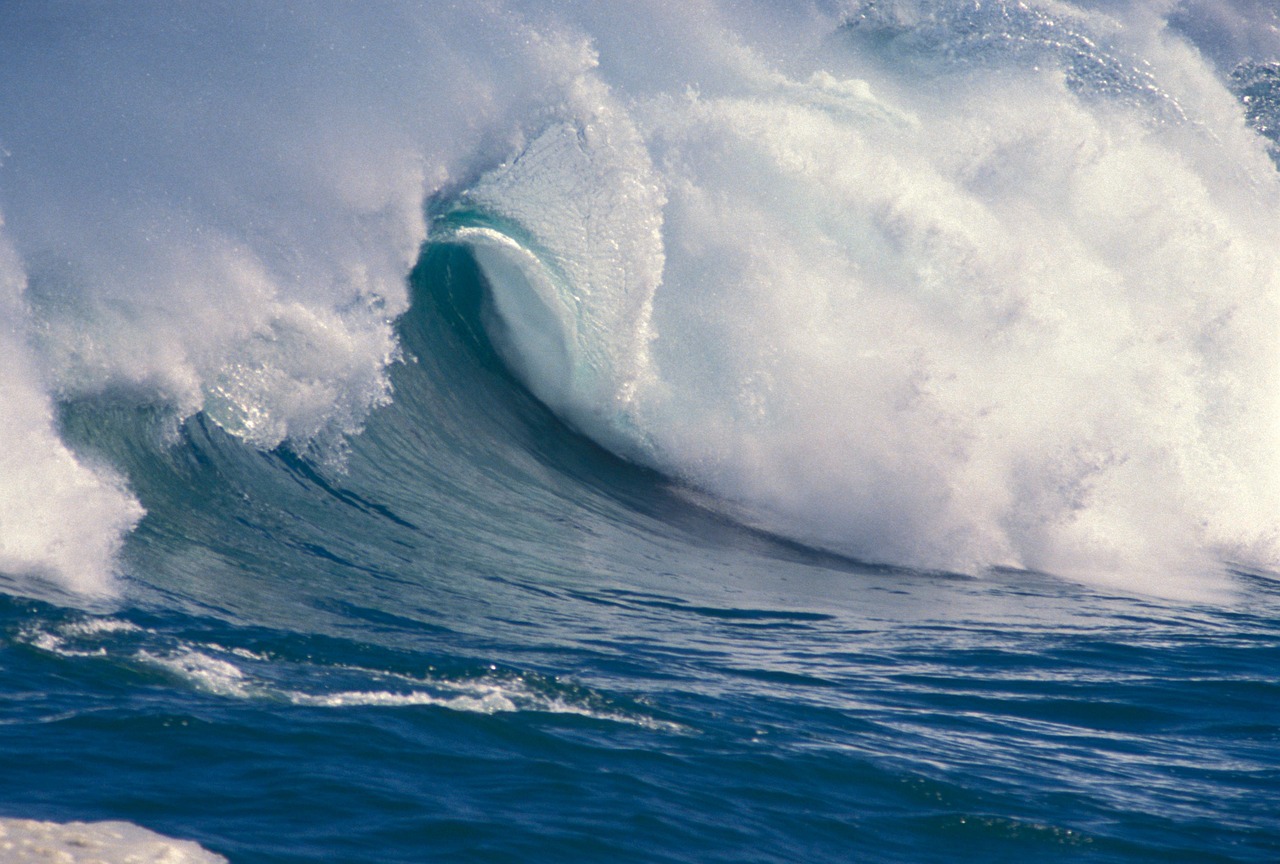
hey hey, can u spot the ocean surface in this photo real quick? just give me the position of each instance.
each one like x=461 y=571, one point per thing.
x=640 y=431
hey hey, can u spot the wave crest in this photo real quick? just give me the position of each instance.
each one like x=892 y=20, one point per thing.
x=1029 y=321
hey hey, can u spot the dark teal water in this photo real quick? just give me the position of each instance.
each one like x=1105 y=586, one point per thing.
x=484 y=639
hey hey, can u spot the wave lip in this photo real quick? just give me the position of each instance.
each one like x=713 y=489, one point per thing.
x=568 y=235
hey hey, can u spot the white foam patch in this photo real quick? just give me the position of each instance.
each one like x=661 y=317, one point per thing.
x=92 y=627
x=26 y=841
x=83 y=638
x=203 y=671
x=491 y=702
x=480 y=696
x=60 y=519
x=1023 y=334
x=1230 y=31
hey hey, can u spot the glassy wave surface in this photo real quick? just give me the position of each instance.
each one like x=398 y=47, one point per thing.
x=602 y=431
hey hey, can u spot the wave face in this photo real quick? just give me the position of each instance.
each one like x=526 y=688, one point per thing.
x=543 y=431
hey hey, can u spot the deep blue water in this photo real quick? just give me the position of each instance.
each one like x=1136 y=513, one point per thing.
x=485 y=639
x=643 y=432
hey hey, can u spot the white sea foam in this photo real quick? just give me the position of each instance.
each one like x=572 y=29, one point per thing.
x=1228 y=31
x=203 y=671
x=489 y=693
x=58 y=516
x=26 y=841
x=485 y=694
x=87 y=637
x=482 y=699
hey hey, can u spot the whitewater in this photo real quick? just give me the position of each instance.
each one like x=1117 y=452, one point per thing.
x=717 y=431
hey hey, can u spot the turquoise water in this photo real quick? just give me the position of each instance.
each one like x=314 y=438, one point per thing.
x=734 y=432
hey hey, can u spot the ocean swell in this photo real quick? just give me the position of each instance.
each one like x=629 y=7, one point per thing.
x=943 y=285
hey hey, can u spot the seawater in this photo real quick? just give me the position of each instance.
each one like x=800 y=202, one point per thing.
x=619 y=432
